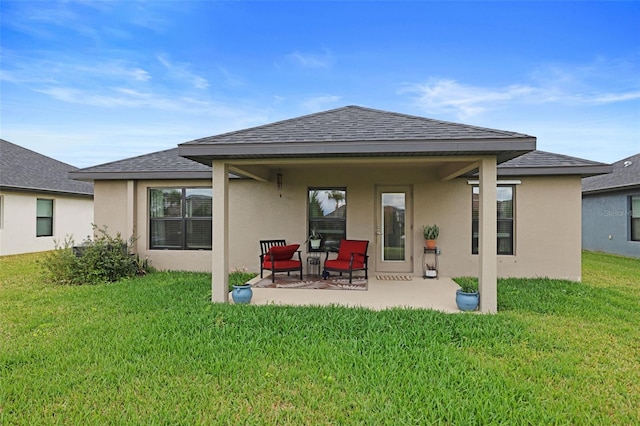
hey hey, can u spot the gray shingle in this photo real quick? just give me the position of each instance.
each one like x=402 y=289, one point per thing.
x=354 y=123
x=167 y=161
x=625 y=175
x=23 y=169
x=547 y=159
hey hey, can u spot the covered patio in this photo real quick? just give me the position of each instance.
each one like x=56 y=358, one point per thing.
x=370 y=154
x=419 y=293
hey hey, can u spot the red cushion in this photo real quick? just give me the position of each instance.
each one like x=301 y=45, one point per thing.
x=282 y=252
x=352 y=246
x=282 y=264
x=342 y=265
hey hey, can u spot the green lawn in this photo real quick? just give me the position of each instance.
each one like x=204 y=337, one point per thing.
x=154 y=350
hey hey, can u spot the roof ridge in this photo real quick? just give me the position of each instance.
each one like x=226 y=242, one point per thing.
x=267 y=125
x=38 y=154
x=129 y=158
x=570 y=157
x=435 y=120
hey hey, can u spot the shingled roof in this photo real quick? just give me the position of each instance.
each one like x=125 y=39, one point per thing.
x=625 y=175
x=548 y=163
x=347 y=131
x=169 y=165
x=358 y=131
x=156 y=165
x=26 y=170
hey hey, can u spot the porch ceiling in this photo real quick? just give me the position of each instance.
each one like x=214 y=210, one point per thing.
x=264 y=169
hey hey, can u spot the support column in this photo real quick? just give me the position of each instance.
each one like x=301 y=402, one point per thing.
x=487 y=244
x=220 y=237
x=132 y=213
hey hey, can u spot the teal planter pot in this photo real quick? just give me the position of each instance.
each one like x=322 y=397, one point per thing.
x=467 y=301
x=241 y=294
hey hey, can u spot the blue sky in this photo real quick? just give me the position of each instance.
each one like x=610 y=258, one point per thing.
x=88 y=82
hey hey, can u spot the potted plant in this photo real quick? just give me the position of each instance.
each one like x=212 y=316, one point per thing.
x=467 y=296
x=431 y=271
x=315 y=239
x=242 y=293
x=431 y=233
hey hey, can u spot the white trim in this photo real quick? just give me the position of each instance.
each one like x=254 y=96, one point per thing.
x=500 y=182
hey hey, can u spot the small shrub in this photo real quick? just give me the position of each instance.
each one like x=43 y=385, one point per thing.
x=467 y=284
x=239 y=276
x=103 y=259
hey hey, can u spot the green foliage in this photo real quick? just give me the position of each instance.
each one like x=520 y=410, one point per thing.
x=431 y=232
x=155 y=350
x=239 y=276
x=103 y=259
x=467 y=284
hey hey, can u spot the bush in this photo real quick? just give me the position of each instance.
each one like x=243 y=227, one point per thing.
x=239 y=276
x=103 y=259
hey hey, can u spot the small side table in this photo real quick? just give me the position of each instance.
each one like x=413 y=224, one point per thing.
x=436 y=253
x=313 y=263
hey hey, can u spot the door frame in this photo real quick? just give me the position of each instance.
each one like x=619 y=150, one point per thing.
x=386 y=266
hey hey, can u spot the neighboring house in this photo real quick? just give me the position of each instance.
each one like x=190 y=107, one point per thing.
x=39 y=203
x=611 y=209
x=266 y=182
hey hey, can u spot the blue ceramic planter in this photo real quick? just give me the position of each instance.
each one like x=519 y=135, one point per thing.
x=467 y=301
x=242 y=294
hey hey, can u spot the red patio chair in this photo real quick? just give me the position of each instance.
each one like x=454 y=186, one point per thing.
x=277 y=256
x=352 y=256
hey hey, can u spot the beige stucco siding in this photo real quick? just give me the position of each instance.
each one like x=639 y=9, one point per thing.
x=547 y=218
x=72 y=218
x=547 y=223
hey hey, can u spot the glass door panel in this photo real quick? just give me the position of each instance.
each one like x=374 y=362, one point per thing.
x=393 y=226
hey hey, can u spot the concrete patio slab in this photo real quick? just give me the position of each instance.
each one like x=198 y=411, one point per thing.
x=419 y=293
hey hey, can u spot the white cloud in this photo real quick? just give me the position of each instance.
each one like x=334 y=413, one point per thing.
x=181 y=71
x=312 y=60
x=446 y=96
x=318 y=103
x=449 y=96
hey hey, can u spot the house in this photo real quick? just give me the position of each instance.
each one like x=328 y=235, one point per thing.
x=611 y=209
x=338 y=171
x=39 y=203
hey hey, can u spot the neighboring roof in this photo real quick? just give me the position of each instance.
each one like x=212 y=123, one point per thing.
x=358 y=131
x=625 y=175
x=548 y=163
x=156 y=165
x=25 y=170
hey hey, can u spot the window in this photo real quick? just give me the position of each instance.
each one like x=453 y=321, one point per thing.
x=44 y=218
x=634 y=213
x=180 y=218
x=328 y=215
x=504 y=200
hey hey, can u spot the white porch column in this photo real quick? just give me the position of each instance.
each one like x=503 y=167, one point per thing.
x=220 y=229
x=487 y=244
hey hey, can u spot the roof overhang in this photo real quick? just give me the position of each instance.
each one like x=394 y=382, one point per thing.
x=621 y=188
x=156 y=175
x=583 y=171
x=503 y=149
x=45 y=191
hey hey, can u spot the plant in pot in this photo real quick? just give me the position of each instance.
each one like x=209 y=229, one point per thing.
x=431 y=271
x=467 y=296
x=315 y=239
x=241 y=292
x=431 y=233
